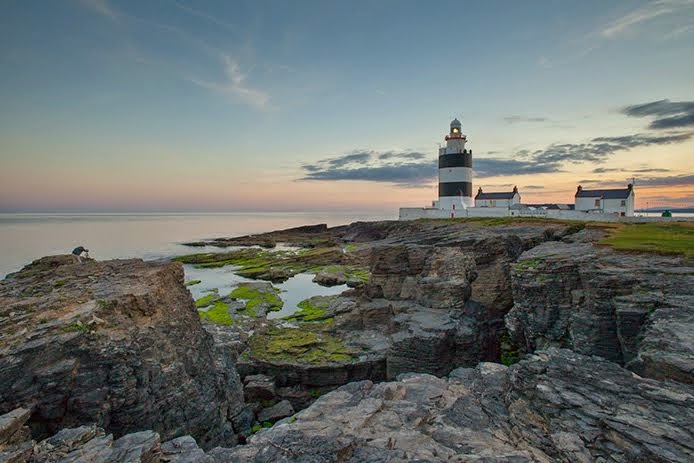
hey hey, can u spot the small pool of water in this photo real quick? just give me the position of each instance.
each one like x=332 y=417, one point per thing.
x=224 y=280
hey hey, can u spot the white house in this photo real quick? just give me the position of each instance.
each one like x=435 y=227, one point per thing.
x=615 y=201
x=497 y=199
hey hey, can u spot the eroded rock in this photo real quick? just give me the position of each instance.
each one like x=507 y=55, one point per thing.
x=117 y=343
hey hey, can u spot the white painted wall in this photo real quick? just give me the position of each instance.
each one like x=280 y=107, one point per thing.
x=498 y=202
x=460 y=202
x=607 y=206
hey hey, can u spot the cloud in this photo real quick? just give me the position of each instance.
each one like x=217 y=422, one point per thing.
x=664 y=181
x=516 y=119
x=102 y=7
x=235 y=86
x=671 y=180
x=640 y=15
x=604 y=170
x=533 y=187
x=205 y=16
x=600 y=148
x=412 y=168
x=668 y=114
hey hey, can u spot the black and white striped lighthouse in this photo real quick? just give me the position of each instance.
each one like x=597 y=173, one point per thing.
x=455 y=171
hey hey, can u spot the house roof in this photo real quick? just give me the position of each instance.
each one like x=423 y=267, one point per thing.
x=496 y=195
x=621 y=193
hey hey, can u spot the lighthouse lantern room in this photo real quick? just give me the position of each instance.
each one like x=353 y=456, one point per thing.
x=455 y=171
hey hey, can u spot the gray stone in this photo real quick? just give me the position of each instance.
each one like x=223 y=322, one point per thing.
x=118 y=343
x=278 y=411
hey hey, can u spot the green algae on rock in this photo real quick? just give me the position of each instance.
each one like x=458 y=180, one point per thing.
x=313 y=309
x=219 y=313
x=260 y=298
x=298 y=345
x=206 y=300
x=278 y=266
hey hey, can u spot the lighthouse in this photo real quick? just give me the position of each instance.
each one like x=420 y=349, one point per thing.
x=455 y=171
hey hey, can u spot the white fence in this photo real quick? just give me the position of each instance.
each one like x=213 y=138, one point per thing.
x=413 y=213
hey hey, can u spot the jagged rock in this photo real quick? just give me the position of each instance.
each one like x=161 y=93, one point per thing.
x=258 y=388
x=118 y=343
x=278 y=411
x=12 y=427
x=183 y=450
x=633 y=309
x=554 y=406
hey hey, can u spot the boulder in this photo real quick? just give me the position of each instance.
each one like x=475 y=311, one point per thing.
x=278 y=411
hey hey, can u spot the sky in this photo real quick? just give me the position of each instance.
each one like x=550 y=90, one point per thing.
x=224 y=105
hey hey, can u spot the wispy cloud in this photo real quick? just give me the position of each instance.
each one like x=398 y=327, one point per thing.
x=101 y=7
x=675 y=33
x=235 y=87
x=206 y=16
x=663 y=181
x=515 y=119
x=638 y=16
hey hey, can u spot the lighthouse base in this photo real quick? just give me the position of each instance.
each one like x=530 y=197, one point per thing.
x=455 y=202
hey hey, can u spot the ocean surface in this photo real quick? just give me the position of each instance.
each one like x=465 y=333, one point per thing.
x=25 y=237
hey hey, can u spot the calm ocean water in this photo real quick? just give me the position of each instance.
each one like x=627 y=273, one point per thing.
x=24 y=237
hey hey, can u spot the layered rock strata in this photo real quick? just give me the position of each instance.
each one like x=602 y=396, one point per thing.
x=117 y=343
x=633 y=309
x=555 y=406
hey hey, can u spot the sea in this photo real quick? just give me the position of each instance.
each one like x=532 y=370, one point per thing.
x=25 y=237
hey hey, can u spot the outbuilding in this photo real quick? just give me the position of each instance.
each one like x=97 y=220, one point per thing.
x=608 y=201
x=497 y=198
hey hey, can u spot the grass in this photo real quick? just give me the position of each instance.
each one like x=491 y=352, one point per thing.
x=75 y=327
x=298 y=345
x=218 y=314
x=496 y=221
x=193 y=282
x=255 y=296
x=528 y=264
x=510 y=352
x=660 y=238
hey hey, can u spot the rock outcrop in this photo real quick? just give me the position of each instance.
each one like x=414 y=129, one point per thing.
x=117 y=343
x=633 y=309
x=555 y=406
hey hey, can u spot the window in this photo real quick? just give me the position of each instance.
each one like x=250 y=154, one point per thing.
x=623 y=203
x=597 y=203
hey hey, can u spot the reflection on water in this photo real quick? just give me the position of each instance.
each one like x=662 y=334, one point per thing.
x=298 y=288
x=294 y=290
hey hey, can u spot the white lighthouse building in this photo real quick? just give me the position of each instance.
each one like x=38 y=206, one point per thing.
x=455 y=171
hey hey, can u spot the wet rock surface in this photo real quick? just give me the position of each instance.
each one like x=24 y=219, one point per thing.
x=633 y=309
x=554 y=406
x=117 y=343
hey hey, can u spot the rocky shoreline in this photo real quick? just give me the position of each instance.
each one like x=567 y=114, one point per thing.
x=117 y=362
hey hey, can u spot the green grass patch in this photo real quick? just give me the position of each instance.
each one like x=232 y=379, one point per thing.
x=205 y=300
x=193 y=282
x=298 y=345
x=528 y=264
x=510 y=352
x=75 y=327
x=219 y=314
x=660 y=238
